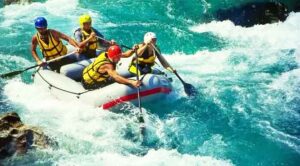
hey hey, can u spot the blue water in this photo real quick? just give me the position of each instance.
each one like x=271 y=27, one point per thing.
x=247 y=111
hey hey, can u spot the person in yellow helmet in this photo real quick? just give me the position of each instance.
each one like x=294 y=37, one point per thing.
x=88 y=38
x=51 y=45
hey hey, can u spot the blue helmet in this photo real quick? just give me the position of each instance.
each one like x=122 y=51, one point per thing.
x=40 y=22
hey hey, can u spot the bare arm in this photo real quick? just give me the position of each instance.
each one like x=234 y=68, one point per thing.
x=83 y=43
x=127 y=54
x=102 y=41
x=142 y=48
x=65 y=37
x=161 y=59
x=130 y=52
x=111 y=72
x=33 y=50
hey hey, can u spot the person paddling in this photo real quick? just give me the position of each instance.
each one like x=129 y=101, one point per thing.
x=88 y=38
x=146 y=55
x=102 y=71
x=51 y=46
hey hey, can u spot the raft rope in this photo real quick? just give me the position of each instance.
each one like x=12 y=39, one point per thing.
x=58 y=88
x=75 y=93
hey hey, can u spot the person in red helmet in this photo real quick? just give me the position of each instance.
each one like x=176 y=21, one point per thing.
x=102 y=71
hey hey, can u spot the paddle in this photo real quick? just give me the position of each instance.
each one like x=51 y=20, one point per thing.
x=189 y=89
x=103 y=39
x=109 y=41
x=140 y=118
x=11 y=74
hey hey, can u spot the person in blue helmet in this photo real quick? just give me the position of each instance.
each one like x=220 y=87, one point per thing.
x=51 y=46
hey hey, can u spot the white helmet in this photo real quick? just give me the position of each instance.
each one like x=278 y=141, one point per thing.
x=149 y=36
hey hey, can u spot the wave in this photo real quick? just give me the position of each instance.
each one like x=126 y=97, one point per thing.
x=153 y=157
x=280 y=136
x=282 y=35
x=17 y=14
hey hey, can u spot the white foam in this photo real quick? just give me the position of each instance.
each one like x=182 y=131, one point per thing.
x=15 y=59
x=170 y=10
x=153 y=157
x=282 y=35
x=53 y=10
x=75 y=119
x=18 y=13
x=203 y=62
x=205 y=5
x=97 y=135
x=9 y=63
x=288 y=83
x=61 y=7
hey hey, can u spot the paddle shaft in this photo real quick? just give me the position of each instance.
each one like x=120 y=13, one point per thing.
x=175 y=72
x=52 y=60
x=137 y=78
x=10 y=74
x=138 y=89
x=141 y=118
x=163 y=61
x=61 y=57
x=138 y=95
x=101 y=38
x=109 y=41
x=189 y=89
x=125 y=46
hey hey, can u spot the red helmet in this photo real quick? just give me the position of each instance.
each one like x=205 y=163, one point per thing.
x=114 y=52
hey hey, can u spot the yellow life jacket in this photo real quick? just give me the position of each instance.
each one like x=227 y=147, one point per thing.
x=91 y=74
x=92 y=44
x=53 y=49
x=146 y=58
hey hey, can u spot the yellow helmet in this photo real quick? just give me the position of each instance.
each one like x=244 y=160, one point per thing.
x=84 y=18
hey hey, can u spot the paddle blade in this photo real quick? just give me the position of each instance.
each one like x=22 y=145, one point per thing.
x=141 y=119
x=142 y=125
x=11 y=74
x=190 y=90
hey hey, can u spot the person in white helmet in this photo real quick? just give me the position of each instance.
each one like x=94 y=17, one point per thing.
x=146 y=55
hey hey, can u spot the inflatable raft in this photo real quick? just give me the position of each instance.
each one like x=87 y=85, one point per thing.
x=154 y=87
